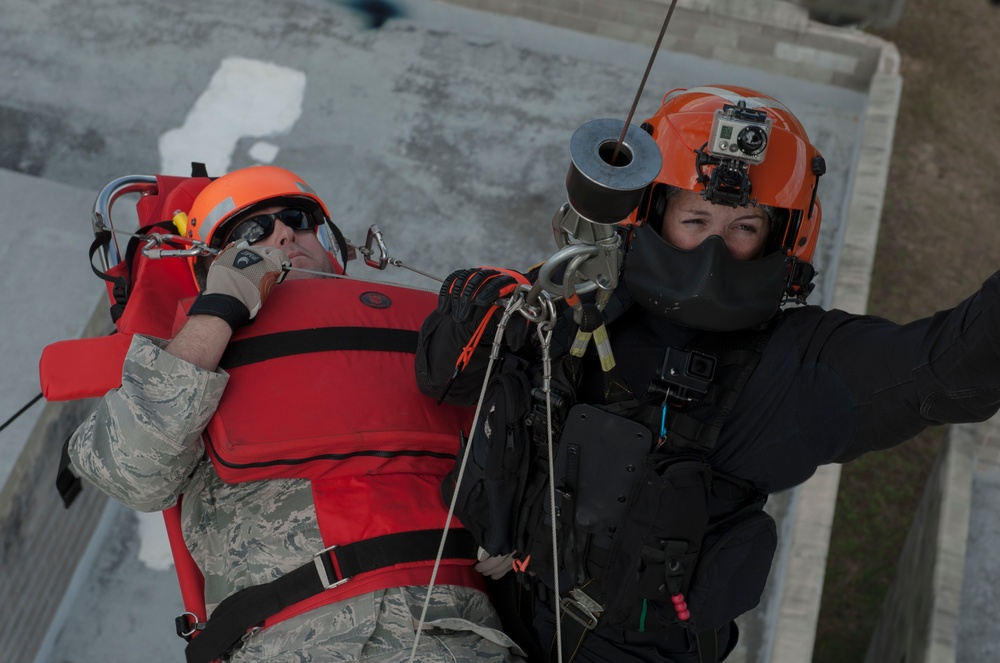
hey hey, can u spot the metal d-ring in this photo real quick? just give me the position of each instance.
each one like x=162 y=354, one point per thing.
x=565 y=256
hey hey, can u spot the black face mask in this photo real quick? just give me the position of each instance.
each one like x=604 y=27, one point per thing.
x=704 y=288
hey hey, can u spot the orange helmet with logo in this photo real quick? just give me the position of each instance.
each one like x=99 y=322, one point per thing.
x=737 y=147
x=699 y=132
x=235 y=193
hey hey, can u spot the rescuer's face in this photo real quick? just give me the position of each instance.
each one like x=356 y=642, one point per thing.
x=690 y=219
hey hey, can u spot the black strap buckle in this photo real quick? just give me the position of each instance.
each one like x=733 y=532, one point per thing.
x=582 y=607
x=328 y=568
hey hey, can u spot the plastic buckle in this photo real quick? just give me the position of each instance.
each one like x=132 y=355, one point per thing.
x=581 y=607
x=324 y=577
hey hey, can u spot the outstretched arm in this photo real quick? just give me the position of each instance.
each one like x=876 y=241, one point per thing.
x=938 y=370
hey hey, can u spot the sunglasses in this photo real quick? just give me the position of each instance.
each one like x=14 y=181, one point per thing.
x=260 y=226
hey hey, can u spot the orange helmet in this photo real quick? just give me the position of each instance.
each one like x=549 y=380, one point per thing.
x=237 y=192
x=738 y=146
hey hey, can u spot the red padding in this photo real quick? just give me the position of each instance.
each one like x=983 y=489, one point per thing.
x=82 y=367
x=189 y=576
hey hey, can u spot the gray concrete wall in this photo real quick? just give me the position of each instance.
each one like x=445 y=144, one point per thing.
x=871 y=13
x=978 y=630
x=46 y=294
x=943 y=605
x=769 y=35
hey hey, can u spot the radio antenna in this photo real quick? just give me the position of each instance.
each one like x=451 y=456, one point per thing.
x=642 y=83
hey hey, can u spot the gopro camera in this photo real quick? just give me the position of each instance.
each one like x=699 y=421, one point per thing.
x=685 y=374
x=740 y=133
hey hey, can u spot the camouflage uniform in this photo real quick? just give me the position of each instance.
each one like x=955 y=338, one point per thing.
x=143 y=446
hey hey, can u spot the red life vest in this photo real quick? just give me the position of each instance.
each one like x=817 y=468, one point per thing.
x=322 y=388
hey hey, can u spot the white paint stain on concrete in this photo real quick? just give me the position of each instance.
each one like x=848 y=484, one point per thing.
x=263 y=151
x=244 y=98
x=154 y=547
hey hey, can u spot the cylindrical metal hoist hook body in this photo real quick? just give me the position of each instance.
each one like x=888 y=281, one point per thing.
x=605 y=192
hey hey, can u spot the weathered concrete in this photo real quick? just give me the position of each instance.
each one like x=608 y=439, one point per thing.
x=46 y=294
x=943 y=605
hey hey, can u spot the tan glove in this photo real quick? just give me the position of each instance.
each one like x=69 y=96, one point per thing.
x=239 y=282
x=494 y=566
x=248 y=273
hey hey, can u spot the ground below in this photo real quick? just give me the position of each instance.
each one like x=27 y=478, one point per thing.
x=938 y=242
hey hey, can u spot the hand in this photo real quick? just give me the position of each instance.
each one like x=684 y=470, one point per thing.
x=494 y=566
x=246 y=273
x=468 y=293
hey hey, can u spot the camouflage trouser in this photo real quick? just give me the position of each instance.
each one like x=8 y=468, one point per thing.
x=380 y=627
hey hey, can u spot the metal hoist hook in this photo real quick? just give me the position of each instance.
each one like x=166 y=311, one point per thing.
x=566 y=260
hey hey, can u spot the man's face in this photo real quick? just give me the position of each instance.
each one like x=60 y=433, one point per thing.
x=302 y=247
x=690 y=219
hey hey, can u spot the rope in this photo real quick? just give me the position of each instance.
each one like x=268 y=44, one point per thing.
x=513 y=305
x=21 y=411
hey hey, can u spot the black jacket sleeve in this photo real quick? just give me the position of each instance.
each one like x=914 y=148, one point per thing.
x=903 y=378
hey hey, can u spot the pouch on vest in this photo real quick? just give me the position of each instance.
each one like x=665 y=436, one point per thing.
x=599 y=458
x=659 y=541
x=731 y=574
x=489 y=498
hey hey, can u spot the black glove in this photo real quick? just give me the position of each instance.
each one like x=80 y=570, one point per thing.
x=468 y=293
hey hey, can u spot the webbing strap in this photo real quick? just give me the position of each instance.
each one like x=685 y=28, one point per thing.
x=574 y=632
x=708 y=646
x=120 y=286
x=324 y=339
x=689 y=432
x=248 y=608
x=67 y=483
x=121 y=283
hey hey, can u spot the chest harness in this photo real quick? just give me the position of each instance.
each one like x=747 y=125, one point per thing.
x=641 y=525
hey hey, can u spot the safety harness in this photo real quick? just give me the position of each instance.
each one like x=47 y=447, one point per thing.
x=245 y=612
x=651 y=551
x=636 y=513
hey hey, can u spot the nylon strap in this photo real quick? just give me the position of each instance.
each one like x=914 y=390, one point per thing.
x=248 y=608
x=324 y=339
x=225 y=307
x=687 y=431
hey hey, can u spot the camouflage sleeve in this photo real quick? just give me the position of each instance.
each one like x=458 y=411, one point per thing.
x=143 y=441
